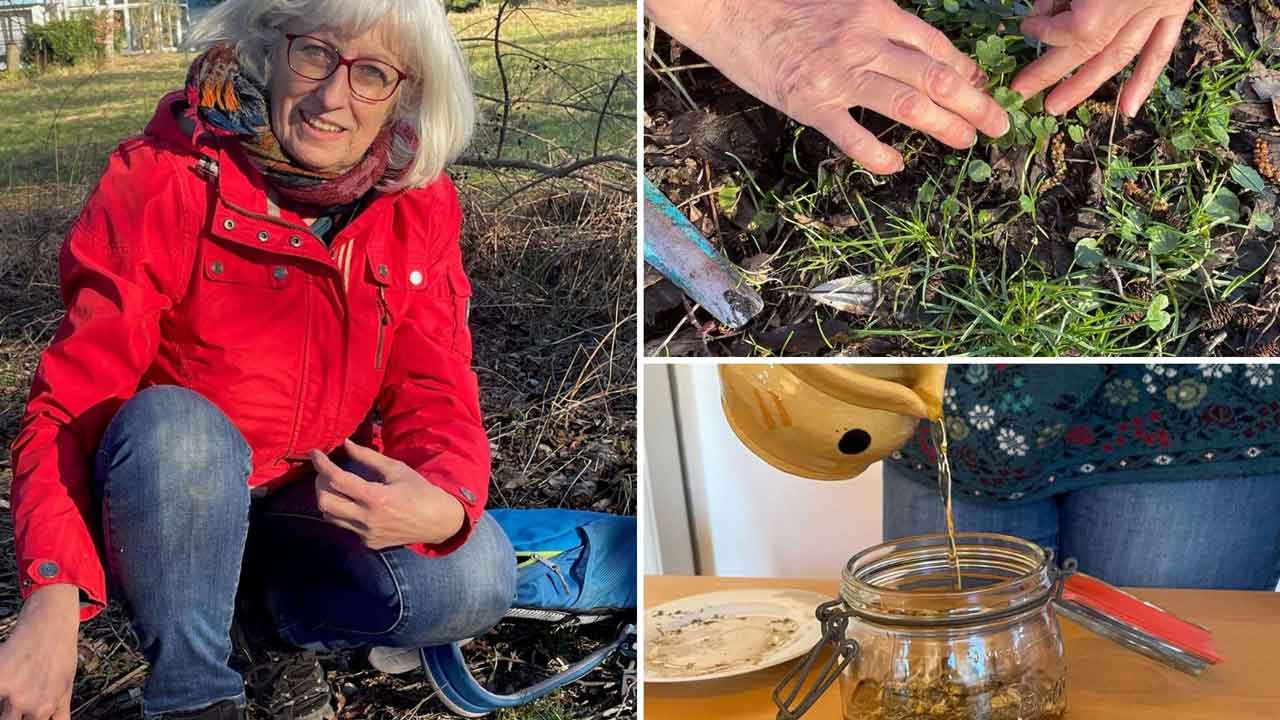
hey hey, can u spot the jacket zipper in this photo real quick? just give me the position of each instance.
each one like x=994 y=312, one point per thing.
x=384 y=319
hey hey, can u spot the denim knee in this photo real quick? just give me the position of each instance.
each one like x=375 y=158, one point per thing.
x=467 y=601
x=493 y=580
x=181 y=445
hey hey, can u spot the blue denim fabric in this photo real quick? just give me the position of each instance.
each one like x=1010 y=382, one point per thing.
x=171 y=474
x=325 y=590
x=1213 y=533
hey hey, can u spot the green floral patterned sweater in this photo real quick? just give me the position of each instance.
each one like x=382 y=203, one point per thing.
x=1025 y=432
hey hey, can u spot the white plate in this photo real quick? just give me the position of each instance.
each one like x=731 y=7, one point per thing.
x=728 y=633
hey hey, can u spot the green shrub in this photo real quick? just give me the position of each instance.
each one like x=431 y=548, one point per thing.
x=62 y=42
x=461 y=5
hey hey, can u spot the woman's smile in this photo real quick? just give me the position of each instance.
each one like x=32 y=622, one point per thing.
x=320 y=129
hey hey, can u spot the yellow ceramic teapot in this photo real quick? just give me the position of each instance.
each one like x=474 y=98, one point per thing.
x=829 y=422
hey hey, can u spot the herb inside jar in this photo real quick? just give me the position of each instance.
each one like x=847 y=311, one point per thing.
x=936 y=696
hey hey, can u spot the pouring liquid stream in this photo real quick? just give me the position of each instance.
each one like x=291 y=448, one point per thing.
x=938 y=432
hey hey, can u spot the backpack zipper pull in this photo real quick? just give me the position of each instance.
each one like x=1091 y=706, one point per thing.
x=555 y=569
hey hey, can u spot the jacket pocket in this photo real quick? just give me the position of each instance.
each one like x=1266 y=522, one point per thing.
x=460 y=295
x=221 y=265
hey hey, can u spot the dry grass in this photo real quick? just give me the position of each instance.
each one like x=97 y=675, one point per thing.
x=554 y=319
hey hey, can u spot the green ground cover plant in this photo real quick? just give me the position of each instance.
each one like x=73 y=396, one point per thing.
x=1085 y=234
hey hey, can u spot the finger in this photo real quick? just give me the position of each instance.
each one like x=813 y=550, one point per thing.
x=1047 y=69
x=1155 y=56
x=909 y=106
x=324 y=466
x=330 y=477
x=945 y=87
x=857 y=142
x=1090 y=26
x=1104 y=66
x=934 y=44
x=370 y=458
x=335 y=505
x=349 y=485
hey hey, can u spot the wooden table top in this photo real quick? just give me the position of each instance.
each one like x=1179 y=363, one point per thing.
x=1104 y=681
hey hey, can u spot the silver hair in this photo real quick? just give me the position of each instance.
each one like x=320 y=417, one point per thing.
x=437 y=99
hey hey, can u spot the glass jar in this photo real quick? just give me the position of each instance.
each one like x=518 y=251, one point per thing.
x=910 y=646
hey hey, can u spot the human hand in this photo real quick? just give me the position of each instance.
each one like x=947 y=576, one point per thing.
x=1100 y=37
x=815 y=59
x=399 y=508
x=38 y=661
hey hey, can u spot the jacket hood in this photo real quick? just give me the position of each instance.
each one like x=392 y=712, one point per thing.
x=167 y=124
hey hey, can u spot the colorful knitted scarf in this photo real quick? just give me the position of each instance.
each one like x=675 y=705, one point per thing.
x=228 y=103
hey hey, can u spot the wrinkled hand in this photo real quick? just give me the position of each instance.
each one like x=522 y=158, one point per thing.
x=1100 y=37
x=815 y=59
x=38 y=661
x=399 y=508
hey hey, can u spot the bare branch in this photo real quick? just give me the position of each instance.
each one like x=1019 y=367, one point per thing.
x=502 y=73
x=595 y=144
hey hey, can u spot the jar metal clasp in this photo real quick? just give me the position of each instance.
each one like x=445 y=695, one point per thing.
x=1060 y=575
x=787 y=695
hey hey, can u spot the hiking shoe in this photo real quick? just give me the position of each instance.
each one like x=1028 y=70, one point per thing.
x=287 y=684
x=222 y=710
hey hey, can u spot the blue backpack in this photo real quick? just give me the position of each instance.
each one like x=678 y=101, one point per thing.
x=573 y=566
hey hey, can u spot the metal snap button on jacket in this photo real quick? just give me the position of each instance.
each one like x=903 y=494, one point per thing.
x=229 y=224
x=263 y=236
x=216 y=267
x=48 y=569
x=280 y=273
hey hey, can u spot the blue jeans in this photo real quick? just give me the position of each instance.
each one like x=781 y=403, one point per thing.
x=181 y=535
x=1213 y=533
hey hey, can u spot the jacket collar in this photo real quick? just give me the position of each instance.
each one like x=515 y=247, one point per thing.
x=243 y=192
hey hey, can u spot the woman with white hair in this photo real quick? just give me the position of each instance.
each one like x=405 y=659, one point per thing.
x=262 y=384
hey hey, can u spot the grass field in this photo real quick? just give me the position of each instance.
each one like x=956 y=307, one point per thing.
x=553 y=312
x=59 y=127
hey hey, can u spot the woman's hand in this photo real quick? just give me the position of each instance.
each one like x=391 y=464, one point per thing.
x=815 y=59
x=1100 y=37
x=38 y=661
x=399 y=507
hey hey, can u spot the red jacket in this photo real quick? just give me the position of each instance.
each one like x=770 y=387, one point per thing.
x=179 y=271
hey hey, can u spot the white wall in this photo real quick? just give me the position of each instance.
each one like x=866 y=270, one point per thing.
x=748 y=519
x=668 y=537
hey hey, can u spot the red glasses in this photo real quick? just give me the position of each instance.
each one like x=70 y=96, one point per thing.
x=370 y=80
